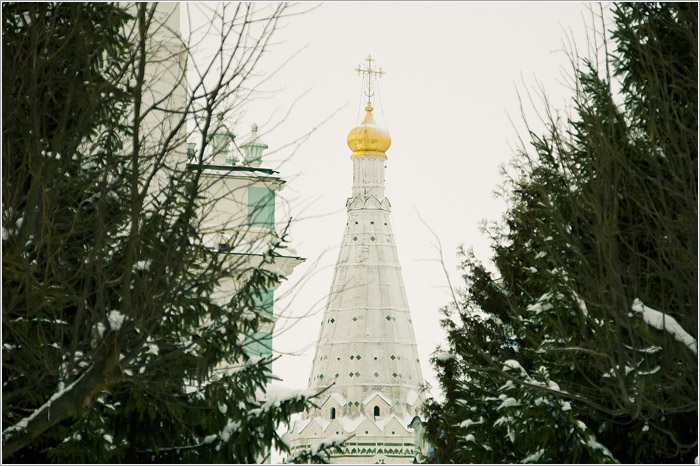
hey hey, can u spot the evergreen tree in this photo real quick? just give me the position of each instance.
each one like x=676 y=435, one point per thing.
x=115 y=345
x=582 y=347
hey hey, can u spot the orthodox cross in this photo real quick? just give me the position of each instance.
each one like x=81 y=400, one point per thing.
x=369 y=71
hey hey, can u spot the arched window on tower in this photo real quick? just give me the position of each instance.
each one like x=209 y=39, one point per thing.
x=332 y=413
x=376 y=410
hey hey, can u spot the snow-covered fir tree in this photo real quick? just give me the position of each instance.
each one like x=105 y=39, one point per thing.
x=116 y=347
x=582 y=345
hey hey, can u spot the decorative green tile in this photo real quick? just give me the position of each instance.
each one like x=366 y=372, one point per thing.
x=358 y=357
x=357 y=374
x=351 y=374
x=395 y=374
x=388 y=317
x=372 y=238
x=376 y=374
x=337 y=375
x=354 y=319
x=393 y=357
x=352 y=356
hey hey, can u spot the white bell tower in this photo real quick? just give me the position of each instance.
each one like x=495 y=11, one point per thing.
x=366 y=351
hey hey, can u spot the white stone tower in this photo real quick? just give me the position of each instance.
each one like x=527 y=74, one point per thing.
x=366 y=351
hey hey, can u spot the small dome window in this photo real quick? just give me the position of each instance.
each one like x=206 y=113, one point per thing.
x=376 y=410
x=332 y=413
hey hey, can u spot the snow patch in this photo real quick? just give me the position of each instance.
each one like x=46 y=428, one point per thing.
x=661 y=321
x=444 y=356
x=350 y=424
x=115 y=319
x=501 y=420
x=594 y=444
x=337 y=397
x=542 y=303
x=649 y=350
x=277 y=394
x=231 y=428
x=534 y=458
x=512 y=364
x=143 y=265
x=581 y=304
x=653 y=371
x=152 y=348
x=300 y=425
x=468 y=423
x=507 y=403
x=552 y=385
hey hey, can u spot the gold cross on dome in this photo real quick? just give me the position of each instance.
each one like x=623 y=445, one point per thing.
x=369 y=71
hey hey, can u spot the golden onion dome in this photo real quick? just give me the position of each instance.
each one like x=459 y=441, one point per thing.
x=369 y=139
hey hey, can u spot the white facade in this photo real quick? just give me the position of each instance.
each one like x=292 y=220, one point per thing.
x=240 y=195
x=366 y=354
x=241 y=200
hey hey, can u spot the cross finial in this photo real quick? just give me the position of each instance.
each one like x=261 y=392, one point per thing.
x=369 y=71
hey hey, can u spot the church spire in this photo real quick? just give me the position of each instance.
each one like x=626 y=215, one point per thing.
x=366 y=355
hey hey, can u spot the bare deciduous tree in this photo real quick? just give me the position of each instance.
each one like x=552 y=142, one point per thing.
x=126 y=310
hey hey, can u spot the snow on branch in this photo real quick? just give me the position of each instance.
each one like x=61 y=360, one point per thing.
x=444 y=356
x=44 y=409
x=661 y=321
x=276 y=394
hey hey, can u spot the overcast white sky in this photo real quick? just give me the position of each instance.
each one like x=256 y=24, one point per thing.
x=452 y=71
